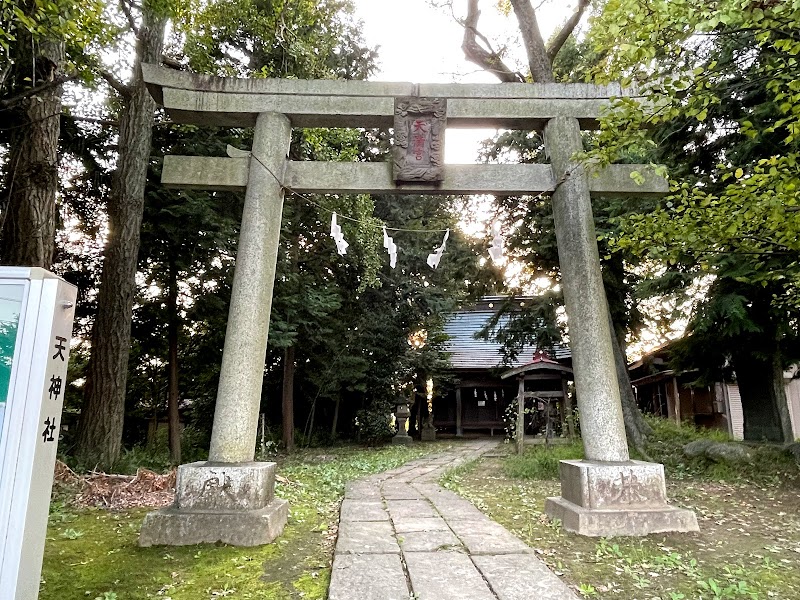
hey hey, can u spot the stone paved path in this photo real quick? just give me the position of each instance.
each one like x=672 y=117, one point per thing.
x=403 y=536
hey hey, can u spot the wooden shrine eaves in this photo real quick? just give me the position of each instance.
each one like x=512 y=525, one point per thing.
x=221 y=173
x=235 y=102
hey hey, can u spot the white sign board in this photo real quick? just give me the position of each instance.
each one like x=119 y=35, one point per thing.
x=36 y=313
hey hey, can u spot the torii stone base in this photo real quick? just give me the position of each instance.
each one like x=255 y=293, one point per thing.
x=606 y=499
x=230 y=503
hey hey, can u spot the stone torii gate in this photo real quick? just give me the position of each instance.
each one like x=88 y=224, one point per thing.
x=230 y=498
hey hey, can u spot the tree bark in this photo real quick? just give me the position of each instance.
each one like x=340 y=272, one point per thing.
x=100 y=429
x=31 y=186
x=538 y=60
x=288 y=399
x=335 y=421
x=173 y=397
x=636 y=428
x=763 y=393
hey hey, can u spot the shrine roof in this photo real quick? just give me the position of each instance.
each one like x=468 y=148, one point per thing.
x=468 y=353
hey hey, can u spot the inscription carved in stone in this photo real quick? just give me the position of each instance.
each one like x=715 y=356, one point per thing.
x=419 y=125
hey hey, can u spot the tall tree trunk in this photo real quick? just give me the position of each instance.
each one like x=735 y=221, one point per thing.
x=31 y=186
x=173 y=397
x=636 y=428
x=103 y=412
x=288 y=398
x=335 y=422
x=763 y=393
x=538 y=60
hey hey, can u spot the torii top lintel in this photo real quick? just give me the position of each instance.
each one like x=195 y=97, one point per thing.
x=229 y=101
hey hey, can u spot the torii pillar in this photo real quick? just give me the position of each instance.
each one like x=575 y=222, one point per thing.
x=605 y=494
x=230 y=498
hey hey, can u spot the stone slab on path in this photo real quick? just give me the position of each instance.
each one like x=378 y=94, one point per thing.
x=402 y=536
x=368 y=577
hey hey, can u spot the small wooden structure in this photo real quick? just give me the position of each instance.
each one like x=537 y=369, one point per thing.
x=544 y=381
x=479 y=396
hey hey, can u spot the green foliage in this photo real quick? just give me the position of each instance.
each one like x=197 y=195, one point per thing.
x=540 y=462
x=769 y=465
x=719 y=101
x=373 y=424
x=31 y=23
x=301 y=39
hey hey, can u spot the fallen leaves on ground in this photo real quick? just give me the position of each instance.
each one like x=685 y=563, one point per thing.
x=97 y=489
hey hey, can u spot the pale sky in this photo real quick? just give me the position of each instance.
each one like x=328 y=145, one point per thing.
x=422 y=44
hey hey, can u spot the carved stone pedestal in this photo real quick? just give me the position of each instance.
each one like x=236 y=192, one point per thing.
x=608 y=499
x=428 y=433
x=219 y=502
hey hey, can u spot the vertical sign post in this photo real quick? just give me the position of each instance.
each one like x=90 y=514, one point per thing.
x=36 y=313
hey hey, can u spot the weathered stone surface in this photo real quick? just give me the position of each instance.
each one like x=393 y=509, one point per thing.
x=453 y=507
x=410 y=509
x=400 y=491
x=605 y=499
x=174 y=527
x=406 y=524
x=718 y=451
x=160 y=77
x=597 y=390
x=316 y=177
x=210 y=486
x=363 y=510
x=362 y=490
x=418 y=151
x=445 y=576
x=697 y=447
x=487 y=537
x=372 y=537
x=429 y=541
x=208 y=100
x=439 y=564
x=428 y=433
x=242 y=372
x=367 y=577
x=620 y=521
x=522 y=577
x=618 y=485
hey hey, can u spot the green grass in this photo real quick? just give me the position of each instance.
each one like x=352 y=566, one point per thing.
x=770 y=464
x=93 y=553
x=539 y=462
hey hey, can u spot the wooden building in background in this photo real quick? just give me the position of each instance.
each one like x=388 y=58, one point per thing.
x=663 y=392
x=478 y=396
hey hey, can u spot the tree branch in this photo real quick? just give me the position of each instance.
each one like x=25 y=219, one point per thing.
x=58 y=80
x=4 y=74
x=115 y=83
x=129 y=15
x=566 y=30
x=541 y=68
x=93 y=120
x=171 y=62
x=488 y=60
